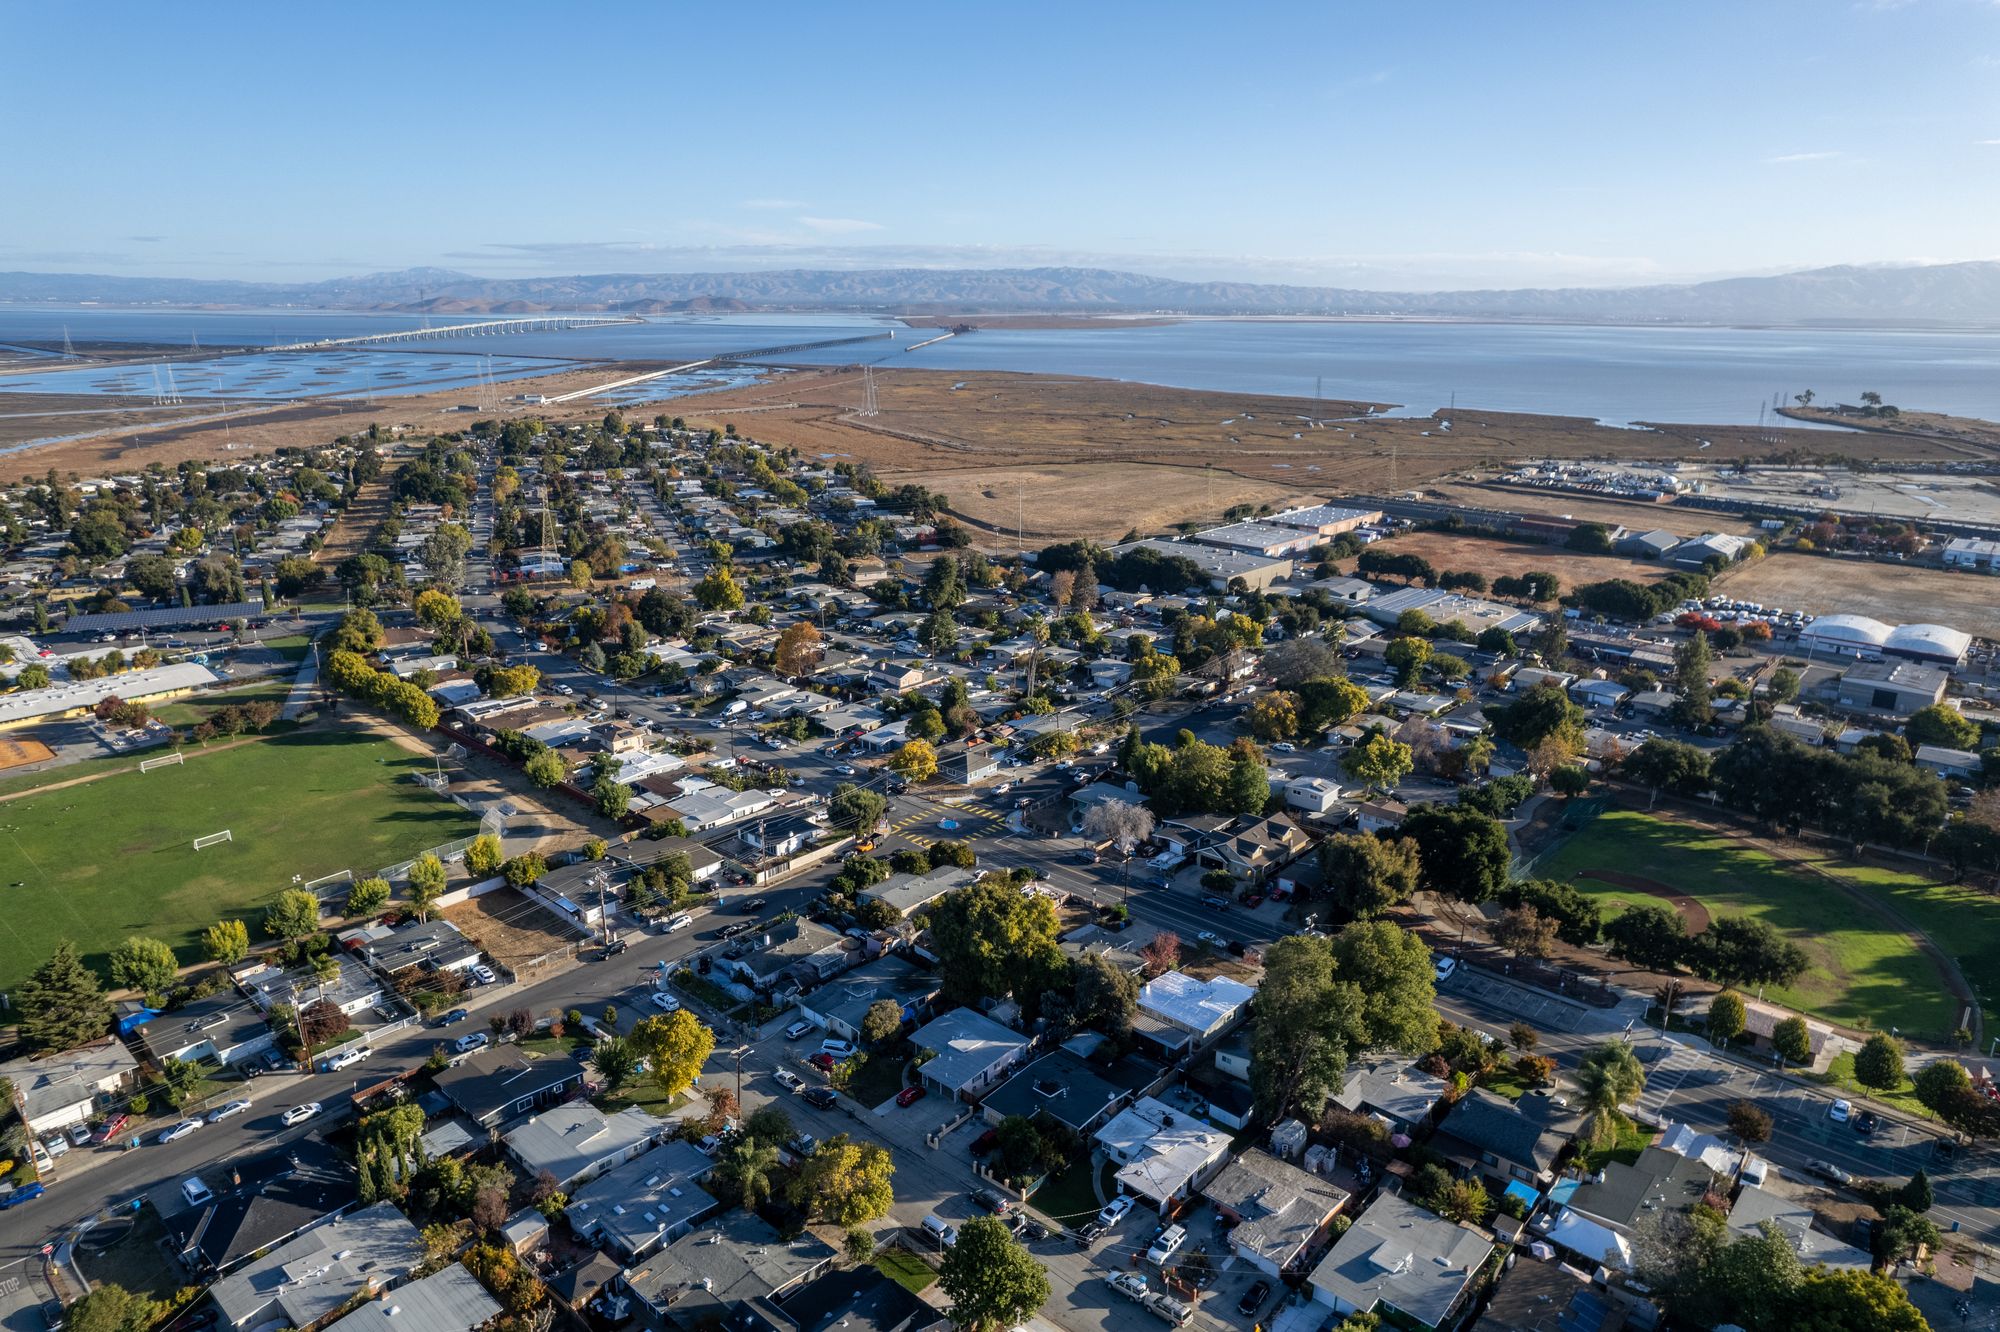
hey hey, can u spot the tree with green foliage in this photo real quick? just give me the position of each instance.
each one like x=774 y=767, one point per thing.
x=615 y=1061
x=1878 y=1064
x=1749 y=1122
x=1669 y=765
x=990 y=1277
x=1916 y=1194
x=1380 y=761
x=611 y=798
x=719 y=591
x=226 y=941
x=1743 y=950
x=1406 y=657
x=524 y=869
x=61 y=1004
x=368 y=896
x=1365 y=876
x=1692 y=663
x=1650 y=936
x=1726 y=1017
x=992 y=940
x=1942 y=725
x=427 y=881
x=144 y=965
x=1462 y=852
x=545 y=769
x=112 y=1308
x=1535 y=716
x=1939 y=1083
x=1792 y=1039
x=855 y=809
x=294 y=917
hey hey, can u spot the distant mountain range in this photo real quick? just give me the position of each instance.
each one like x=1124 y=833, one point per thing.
x=1962 y=293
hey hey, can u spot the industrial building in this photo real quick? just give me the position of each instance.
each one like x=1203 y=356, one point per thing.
x=1890 y=688
x=1219 y=564
x=1872 y=640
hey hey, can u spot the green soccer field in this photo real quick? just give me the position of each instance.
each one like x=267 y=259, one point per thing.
x=1864 y=966
x=112 y=857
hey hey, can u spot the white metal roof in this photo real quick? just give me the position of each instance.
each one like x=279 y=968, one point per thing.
x=1849 y=629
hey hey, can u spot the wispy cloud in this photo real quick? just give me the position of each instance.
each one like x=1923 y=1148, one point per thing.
x=1986 y=143
x=1784 y=158
x=146 y=240
x=838 y=226
x=785 y=205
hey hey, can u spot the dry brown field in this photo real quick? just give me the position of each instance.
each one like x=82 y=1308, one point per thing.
x=1035 y=504
x=1452 y=550
x=1635 y=514
x=1892 y=593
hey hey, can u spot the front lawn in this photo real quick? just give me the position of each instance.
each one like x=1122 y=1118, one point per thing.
x=878 y=1078
x=1864 y=970
x=1840 y=1073
x=1068 y=1199
x=905 y=1269
x=1631 y=1141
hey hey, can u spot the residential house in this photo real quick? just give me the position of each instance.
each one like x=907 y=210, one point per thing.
x=1623 y=1194
x=855 y=1299
x=1485 y=1134
x=1401 y=1261
x=1375 y=816
x=255 y=1203
x=1756 y=1208
x=648 y=1201
x=498 y=1084
x=791 y=954
x=309 y=1278
x=55 y=1091
x=1253 y=848
x=1312 y=795
x=1280 y=1211
x=840 y=1006
x=1953 y=764
x=694 y=1281
x=912 y=892
x=577 y=1142
x=435 y=945
x=1201 y=1008
x=221 y=1027
x=354 y=990
x=776 y=836
x=1400 y=1094
x=973 y=1052
x=449 y=1300
x=1164 y=1154
x=1069 y=1089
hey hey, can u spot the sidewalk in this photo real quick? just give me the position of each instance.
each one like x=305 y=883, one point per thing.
x=304 y=686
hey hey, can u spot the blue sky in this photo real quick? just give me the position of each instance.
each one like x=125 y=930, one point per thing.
x=1381 y=145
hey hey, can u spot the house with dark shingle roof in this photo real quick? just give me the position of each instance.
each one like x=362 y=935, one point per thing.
x=1485 y=1134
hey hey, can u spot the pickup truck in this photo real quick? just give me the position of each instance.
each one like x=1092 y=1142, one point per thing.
x=1158 y=1303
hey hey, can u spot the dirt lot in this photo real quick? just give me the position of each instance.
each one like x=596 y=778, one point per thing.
x=1446 y=550
x=1102 y=501
x=1892 y=593
x=1640 y=517
x=512 y=930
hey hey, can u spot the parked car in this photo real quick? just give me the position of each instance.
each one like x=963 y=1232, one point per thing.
x=1839 y=1112
x=1212 y=939
x=909 y=1096
x=798 y=1029
x=820 y=1098
x=456 y=1015
x=1253 y=1298
x=822 y=1061
x=472 y=1040
x=1866 y=1123
x=679 y=923
x=25 y=1193
x=1828 y=1170
x=615 y=947
x=1114 y=1211
x=299 y=1114
x=787 y=1079
x=111 y=1128
x=229 y=1111
x=993 y=1201
x=1443 y=967
x=839 y=1049
x=180 y=1130
x=665 y=1002
x=1165 y=1243
x=1215 y=903
x=484 y=974
x=195 y=1191
x=79 y=1134
x=55 y=1144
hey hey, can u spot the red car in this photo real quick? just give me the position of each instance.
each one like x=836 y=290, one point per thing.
x=110 y=1128
x=823 y=1062
x=909 y=1096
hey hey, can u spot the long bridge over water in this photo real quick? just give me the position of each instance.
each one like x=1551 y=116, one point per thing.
x=759 y=354
x=483 y=328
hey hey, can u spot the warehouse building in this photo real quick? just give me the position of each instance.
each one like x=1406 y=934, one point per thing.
x=1891 y=688
x=1872 y=640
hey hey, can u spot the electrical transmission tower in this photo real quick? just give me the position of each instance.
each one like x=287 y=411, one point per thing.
x=68 y=352
x=869 y=405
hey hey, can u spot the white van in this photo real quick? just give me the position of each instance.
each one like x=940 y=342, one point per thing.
x=1755 y=1170
x=940 y=1230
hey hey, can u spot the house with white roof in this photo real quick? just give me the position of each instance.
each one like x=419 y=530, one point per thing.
x=1164 y=1154
x=1202 y=1008
x=973 y=1052
x=1398 y=1259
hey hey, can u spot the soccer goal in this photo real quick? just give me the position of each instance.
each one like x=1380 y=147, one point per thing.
x=213 y=839
x=164 y=761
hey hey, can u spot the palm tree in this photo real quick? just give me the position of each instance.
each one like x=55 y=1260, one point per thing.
x=1609 y=1076
x=746 y=1172
x=326 y=970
